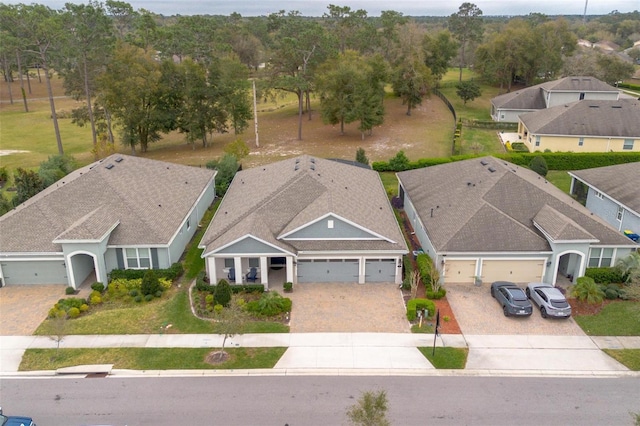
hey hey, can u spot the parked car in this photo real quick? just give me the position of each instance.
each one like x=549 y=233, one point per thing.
x=15 y=420
x=549 y=299
x=512 y=298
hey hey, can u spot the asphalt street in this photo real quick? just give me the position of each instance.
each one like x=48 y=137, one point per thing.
x=320 y=400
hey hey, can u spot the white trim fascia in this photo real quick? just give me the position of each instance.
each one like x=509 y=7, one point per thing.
x=96 y=241
x=184 y=220
x=362 y=228
x=149 y=246
x=8 y=255
x=353 y=253
x=498 y=253
x=616 y=246
x=32 y=259
x=332 y=239
x=280 y=250
x=595 y=188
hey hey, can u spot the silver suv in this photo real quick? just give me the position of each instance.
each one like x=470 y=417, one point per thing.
x=549 y=299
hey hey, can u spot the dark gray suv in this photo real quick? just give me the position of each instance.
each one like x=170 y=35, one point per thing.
x=512 y=298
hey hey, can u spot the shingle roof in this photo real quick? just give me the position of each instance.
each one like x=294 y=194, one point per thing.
x=620 y=182
x=534 y=97
x=619 y=118
x=147 y=199
x=269 y=201
x=467 y=208
x=559 y=227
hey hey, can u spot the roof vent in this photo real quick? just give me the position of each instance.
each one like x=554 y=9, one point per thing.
x=491 y=169
x=593 y=106
x=297 y=160
x=313 y=167
x=484 y=162
x=109 y=166
x=313 y=160
x=118 y=159
x=295 y=168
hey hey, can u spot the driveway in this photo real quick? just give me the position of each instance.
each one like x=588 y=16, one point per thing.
x=24 y=307
x=478 y=313
x=341 y=307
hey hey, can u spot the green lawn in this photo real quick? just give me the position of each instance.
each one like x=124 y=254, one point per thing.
x=390 y=182
x=561 y=179
x=616 y=319
x=149 y=318
x=193 y=262
x=446 y=358
x=150 y=358
x=630 y=358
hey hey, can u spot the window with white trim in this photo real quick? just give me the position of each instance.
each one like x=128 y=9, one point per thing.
x=581 y=142
x=600 y=257
x=537 y=140
x=330 y=224
x=138 y=258
x=628 y=144
x=254 y=262
x=598 y=194
x=228 y=262
x=620 y=213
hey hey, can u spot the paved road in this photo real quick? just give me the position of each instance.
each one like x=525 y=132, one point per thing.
x=313 y=400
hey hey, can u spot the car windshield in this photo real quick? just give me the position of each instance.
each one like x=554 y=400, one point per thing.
x=517 y=294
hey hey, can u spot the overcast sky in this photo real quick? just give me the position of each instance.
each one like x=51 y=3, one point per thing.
x=373 y=7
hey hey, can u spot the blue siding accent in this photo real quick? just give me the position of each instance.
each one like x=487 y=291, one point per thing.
x=250 y=245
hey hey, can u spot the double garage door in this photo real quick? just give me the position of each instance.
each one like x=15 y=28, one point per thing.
x=345 y=270
x=34 y=272
x=519 y=271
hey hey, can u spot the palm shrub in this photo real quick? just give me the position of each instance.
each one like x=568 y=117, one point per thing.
x=587 y=290
x=222 y=294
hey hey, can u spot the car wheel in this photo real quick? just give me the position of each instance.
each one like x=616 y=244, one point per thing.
x=543 y=312
x=528 y=293
x=492 y=295
x=506 y=311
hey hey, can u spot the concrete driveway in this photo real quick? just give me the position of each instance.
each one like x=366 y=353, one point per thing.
x=341 y=307
x=24 y=307
x=478 y=313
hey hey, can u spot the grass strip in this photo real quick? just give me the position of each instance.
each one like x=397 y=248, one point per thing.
x=150 y=358
x=446 y=358
x=630 y=358
x=615 y=319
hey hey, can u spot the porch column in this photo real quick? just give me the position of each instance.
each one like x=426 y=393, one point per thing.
x=289 y=269
x=362 y=262
x=237 y=264
x=264 y=271
x=212 y=273
x=399 y=270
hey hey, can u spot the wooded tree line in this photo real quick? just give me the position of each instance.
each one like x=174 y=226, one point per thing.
x=141 y=75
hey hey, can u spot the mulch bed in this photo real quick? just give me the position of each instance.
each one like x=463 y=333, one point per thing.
x=583 y=308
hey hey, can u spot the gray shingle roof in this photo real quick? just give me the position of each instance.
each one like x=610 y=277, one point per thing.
x=619 y=118
x=559 y=227
x=533 y=97
x=269 y=201
x=620 y=182
x=476 y=210
x=148 y=199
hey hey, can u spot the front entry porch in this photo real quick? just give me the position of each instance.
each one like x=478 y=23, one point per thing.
x=269 y=270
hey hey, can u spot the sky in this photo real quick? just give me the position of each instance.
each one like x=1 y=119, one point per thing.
x=373 y=7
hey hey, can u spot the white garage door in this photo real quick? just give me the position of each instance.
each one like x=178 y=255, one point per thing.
x=459 y=271
x=328 y=270
x=380 y=270
x=517 y=271
x=34 y=272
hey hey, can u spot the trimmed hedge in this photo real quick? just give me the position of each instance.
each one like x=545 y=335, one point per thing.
x=414 y=304
x=133 y=274
x=629 y=86
x=555 y=160
x=605 y=275
x=424 y=263
x=202 y=284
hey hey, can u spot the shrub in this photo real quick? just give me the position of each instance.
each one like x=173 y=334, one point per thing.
x=288 y=286
x=73 y=313
x=222 y=294
x=269 y=304
x=605 y=275
x=399 y=163
x=137 y=299
x=158 y=294
x=202 y=283
x=586 y=289
x=133 y=293
x=97 y=286
x=434 y=295
x=539 y=165
x=95 y=300
x=148 y=297
x=361 y=157
x=94 y=293
x=84 y=307
x=414 y=304
x=68 y=303
x=56 y=312
x=69 y=290
x=218 y=308
x=209 y=299
x=150 y=283
x=247 y=288
x=424 y=263
x=132 y=274
x=408 y=269
x=611 y=293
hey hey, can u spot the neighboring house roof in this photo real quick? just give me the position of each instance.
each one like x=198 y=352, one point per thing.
x=619 y=118
x=534 y=97
x=267 y=202
x=466 y=207
x=143 y=201
x=620 y=182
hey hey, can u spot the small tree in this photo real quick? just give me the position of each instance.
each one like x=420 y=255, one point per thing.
x=222 y=295
x=361 y=157
x=150 y=283
x=468 y=90
x=399 y=163
x=238 y=148
x=539 y=165
x=370 y=410
x=587 y=290
x=58 y=329
x=414 y=279
x=231 y=321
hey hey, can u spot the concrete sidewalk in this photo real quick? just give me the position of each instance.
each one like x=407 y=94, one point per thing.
x=368 y=351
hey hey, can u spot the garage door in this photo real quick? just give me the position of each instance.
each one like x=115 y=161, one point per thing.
x=517 y=271
x=328 y=271
x=459 y=271
x=380 y=270
x=34 y=272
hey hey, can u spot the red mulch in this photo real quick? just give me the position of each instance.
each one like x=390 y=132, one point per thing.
x=584 y=308
x=447 y=327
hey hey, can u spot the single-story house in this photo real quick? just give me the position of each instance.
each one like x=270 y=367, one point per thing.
x=509 y=106
x=611 y=192
x=121 y=212
x=484 y=220
x=585 y=126
x=305 y=220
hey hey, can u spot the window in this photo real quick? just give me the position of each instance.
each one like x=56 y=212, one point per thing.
x=594 y=257
x=598 y=194
x=188 y=224
x=228 y=263
x=330 y=224
x=581 y=96
x=628 y=144
x=138 y=258
x=537 y=140
x=607 y=256
x=254 y=262
x=581 y=142
x=600 y=257
x=620 y=213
